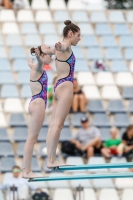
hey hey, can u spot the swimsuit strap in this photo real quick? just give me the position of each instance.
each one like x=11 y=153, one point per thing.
x=64 y=60
x=39 y=78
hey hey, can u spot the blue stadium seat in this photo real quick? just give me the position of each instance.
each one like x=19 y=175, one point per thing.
x=6 y=164
x=122 y=131
x=130 y=107
x=47 y=28
x=101 y=120
x=128 y=53
x=94 y=53
x=78 y=52
x=121 y=120
x=20 y=150
x=76 y=119
x=95 y=106
x=13 y=40
x=20 y=65
x=20 y=134
x=79 y=16
x=130 y=16
x=23 y=78
x=86 y=28
x=17 y=119
x=8 y=79
x=121 y=29
x=108 y=41
x=89 y=41
x=6 y=149
x=127 y=93
x=35 y=165
x=8 y=91
x=3 y=53
x=118 y=66
x=17 y=52
x=103 y=183
x=66 y=123
x=42 y=134
x=60 y=28
x=98 y=17
x=116 y=17
x=113 y=53
x=28 y=28
x=116 y=106
x=105 y=134
x=103 y=29
x=126 y=41
x=50 y=39
x=83 y=183
x=65 y=134
x=81 y=65
x=26 y=91
x=3 y=135
x=60 y=16
x=32 y=40
x=4 y=65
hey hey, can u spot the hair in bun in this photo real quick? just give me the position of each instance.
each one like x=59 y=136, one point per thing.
x=69 y=26
x=67 y=22
x=32 y=50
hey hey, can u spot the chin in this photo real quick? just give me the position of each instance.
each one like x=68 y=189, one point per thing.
x=75 y=44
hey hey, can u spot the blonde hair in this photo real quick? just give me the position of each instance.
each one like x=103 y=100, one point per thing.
x=114 y=129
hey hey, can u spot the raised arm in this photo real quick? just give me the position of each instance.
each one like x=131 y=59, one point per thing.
x=47 y=50
x=61 y=47
x=30 y=63
x=39 y=59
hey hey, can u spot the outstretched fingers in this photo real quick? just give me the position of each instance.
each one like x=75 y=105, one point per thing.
x=58 y=46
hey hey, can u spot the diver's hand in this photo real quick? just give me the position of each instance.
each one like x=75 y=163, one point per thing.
x=38 y=55
x=58 y=46
x=30 y=63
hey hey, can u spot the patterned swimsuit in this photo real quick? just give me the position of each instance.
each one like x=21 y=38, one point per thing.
x=43 y=80
x=71 y=61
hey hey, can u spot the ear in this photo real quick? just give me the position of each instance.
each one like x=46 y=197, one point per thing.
x=70 y=33
x=42 y=55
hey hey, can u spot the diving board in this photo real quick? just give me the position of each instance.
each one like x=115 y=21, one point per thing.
x=80 y=177
x=95 y=166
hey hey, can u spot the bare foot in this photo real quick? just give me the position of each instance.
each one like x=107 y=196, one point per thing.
x=56 y=163
x=28 y=175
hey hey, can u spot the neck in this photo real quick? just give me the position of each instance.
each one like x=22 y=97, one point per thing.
x=66 y=40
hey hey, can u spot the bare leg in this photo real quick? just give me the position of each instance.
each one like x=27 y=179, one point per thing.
x=106 y=152
x=82 y=103
x=37 y=112
x=95 y=143
x=63 y=97
x=90 y=152
x=75 y=103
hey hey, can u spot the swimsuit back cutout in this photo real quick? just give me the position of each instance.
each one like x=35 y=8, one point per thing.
x=43 y=80
x=71 y=62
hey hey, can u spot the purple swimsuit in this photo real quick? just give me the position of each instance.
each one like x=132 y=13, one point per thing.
x=71 y=61
x=43 y=80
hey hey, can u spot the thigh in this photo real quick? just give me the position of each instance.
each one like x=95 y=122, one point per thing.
x=37 y=113
x=64 y=97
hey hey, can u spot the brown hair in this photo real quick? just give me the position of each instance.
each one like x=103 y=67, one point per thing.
x=32 y=50
x=129 y=128
x=69 y=26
